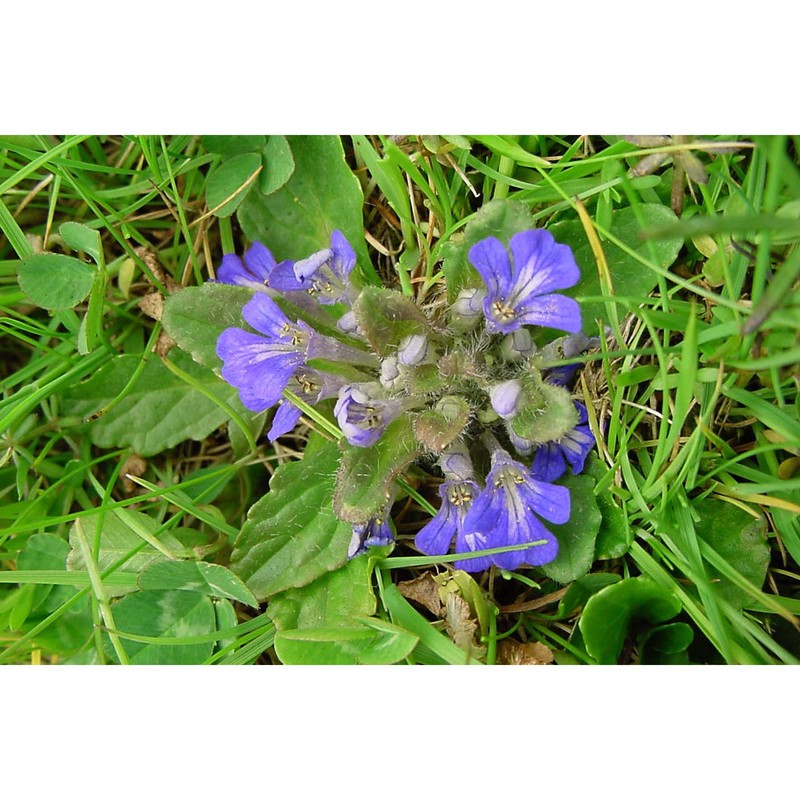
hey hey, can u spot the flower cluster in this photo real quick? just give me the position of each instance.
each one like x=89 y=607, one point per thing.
x=476 y=380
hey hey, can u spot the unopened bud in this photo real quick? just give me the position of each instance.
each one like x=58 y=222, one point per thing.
x=467 y=310
x=390 y=372
x=517 y=345
x=348 y=323
x=565 y=347
x=413 y=350
x=456 y=465
x=505 y=398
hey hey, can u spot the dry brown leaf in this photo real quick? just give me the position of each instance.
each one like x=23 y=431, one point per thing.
x=151 y=259
x=510 y=651
x=460 y=626
x=425 y=591
x=164 y=344
x=152 y=305
x=133 y=465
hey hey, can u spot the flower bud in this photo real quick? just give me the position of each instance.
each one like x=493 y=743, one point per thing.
x=347 y=323
x=456 y=464
x=467 y=311
x=413 y=350
x=565 y=347
x=517 y=345
x=390 y=372
x=505 y=398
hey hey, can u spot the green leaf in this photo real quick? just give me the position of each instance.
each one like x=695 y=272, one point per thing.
x=291 y=536
x=210 y=579
x=197 y=315
x=576 y=538
x=158 y=412
x=615 y=536
x=73 y=628
x=45 y=551
x=233 y=145
x=549 y=416
x=386 y=317
x=55 y=281
x=277 y=162
x=23 y=605
x=322 y=195
x=165 y=614
x=628 y=276
x=230 y=179
x=672 y=638
x=118 y=539
x=582 y=589
x=366 y=473
x=382 y=643
x=83 y=238
x=21 y=140
x=499 y=218
x=608 y=614
x=226 y=618
x=740 y=539
x=70 y=632
x=437 y=428
x=330 y=601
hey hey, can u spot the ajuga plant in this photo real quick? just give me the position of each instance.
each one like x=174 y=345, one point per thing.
x=471 y=391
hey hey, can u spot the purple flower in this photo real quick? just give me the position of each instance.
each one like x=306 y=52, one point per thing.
x=507 y=512
x=252 y=270
x=325 y=275
x=260 y=364
x=435 y=538
x=520 y=288
x=374 y=533
x=362 y=418
x=309 y=385
x=551 y=459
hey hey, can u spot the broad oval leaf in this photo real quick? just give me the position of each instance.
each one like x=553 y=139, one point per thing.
x=158 y=412
x=165 y=614
x=54 y=281
x=322 y=195
x=330 y=601
x=628 y=275
x=291 y=536
x=187 y=576
x=230 y=182
x=197 y=315
x=607 y=614
x=366 y=473
x=615 y=536
x=383 y=644
x=740 y=539
x=119 y=541
x=576 y=538
x=233 y=145
x=83 y=238
x=277 y=164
